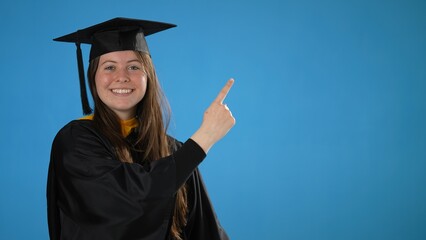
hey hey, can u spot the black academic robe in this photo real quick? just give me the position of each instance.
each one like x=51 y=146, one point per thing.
x=91 y=195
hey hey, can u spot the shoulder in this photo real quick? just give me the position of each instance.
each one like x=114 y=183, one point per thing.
x=79 y=149
x=74 y=131
x=77 y=127
x=80 y=134
x=78 y=130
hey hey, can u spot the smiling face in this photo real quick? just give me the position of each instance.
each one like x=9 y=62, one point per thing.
x=121 y=82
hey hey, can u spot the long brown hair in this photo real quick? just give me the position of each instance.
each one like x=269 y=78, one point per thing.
x=153 y=116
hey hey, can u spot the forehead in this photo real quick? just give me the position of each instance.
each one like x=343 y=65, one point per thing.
x=118 y=56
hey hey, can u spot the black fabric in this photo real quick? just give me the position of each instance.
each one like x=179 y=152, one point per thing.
x=83 y=93
x=118 y=40
x=116 y=34
x=92 y=195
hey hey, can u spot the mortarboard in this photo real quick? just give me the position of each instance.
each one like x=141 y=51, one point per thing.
x=117 y=34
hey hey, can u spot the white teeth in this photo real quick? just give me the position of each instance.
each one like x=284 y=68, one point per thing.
x=121 y=91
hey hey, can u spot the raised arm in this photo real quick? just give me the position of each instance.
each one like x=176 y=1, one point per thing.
x=217 y=121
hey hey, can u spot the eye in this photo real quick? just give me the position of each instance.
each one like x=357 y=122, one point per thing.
x=134 y=67
x=109 y=68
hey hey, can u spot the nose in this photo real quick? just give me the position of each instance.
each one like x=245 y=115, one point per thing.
x=122 y=76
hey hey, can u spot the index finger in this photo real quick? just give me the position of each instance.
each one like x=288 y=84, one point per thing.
x=222 y=94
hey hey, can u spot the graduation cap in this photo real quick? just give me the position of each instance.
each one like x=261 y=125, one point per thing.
x=117 y=34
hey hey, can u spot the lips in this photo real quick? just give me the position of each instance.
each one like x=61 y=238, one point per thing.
x=122 y=90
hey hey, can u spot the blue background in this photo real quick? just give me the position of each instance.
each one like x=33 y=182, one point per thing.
x=330 y=102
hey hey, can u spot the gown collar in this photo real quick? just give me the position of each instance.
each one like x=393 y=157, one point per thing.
x=126 y=125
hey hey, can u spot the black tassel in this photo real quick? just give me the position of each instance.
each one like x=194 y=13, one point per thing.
x=83 y=93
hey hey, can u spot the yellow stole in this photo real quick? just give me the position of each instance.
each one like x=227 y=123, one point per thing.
x=126 y=125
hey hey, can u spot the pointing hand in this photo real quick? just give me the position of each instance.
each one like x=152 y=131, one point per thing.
x=217 y=121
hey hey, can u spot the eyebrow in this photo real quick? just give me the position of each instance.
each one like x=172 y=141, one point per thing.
x=112 y=61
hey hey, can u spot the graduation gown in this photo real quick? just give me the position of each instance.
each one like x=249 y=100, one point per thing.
x=92 y=195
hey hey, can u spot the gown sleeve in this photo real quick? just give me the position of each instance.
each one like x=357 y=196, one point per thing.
x=92 y=195
x=202 y=220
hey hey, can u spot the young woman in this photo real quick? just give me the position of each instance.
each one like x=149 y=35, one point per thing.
x=116 y=174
